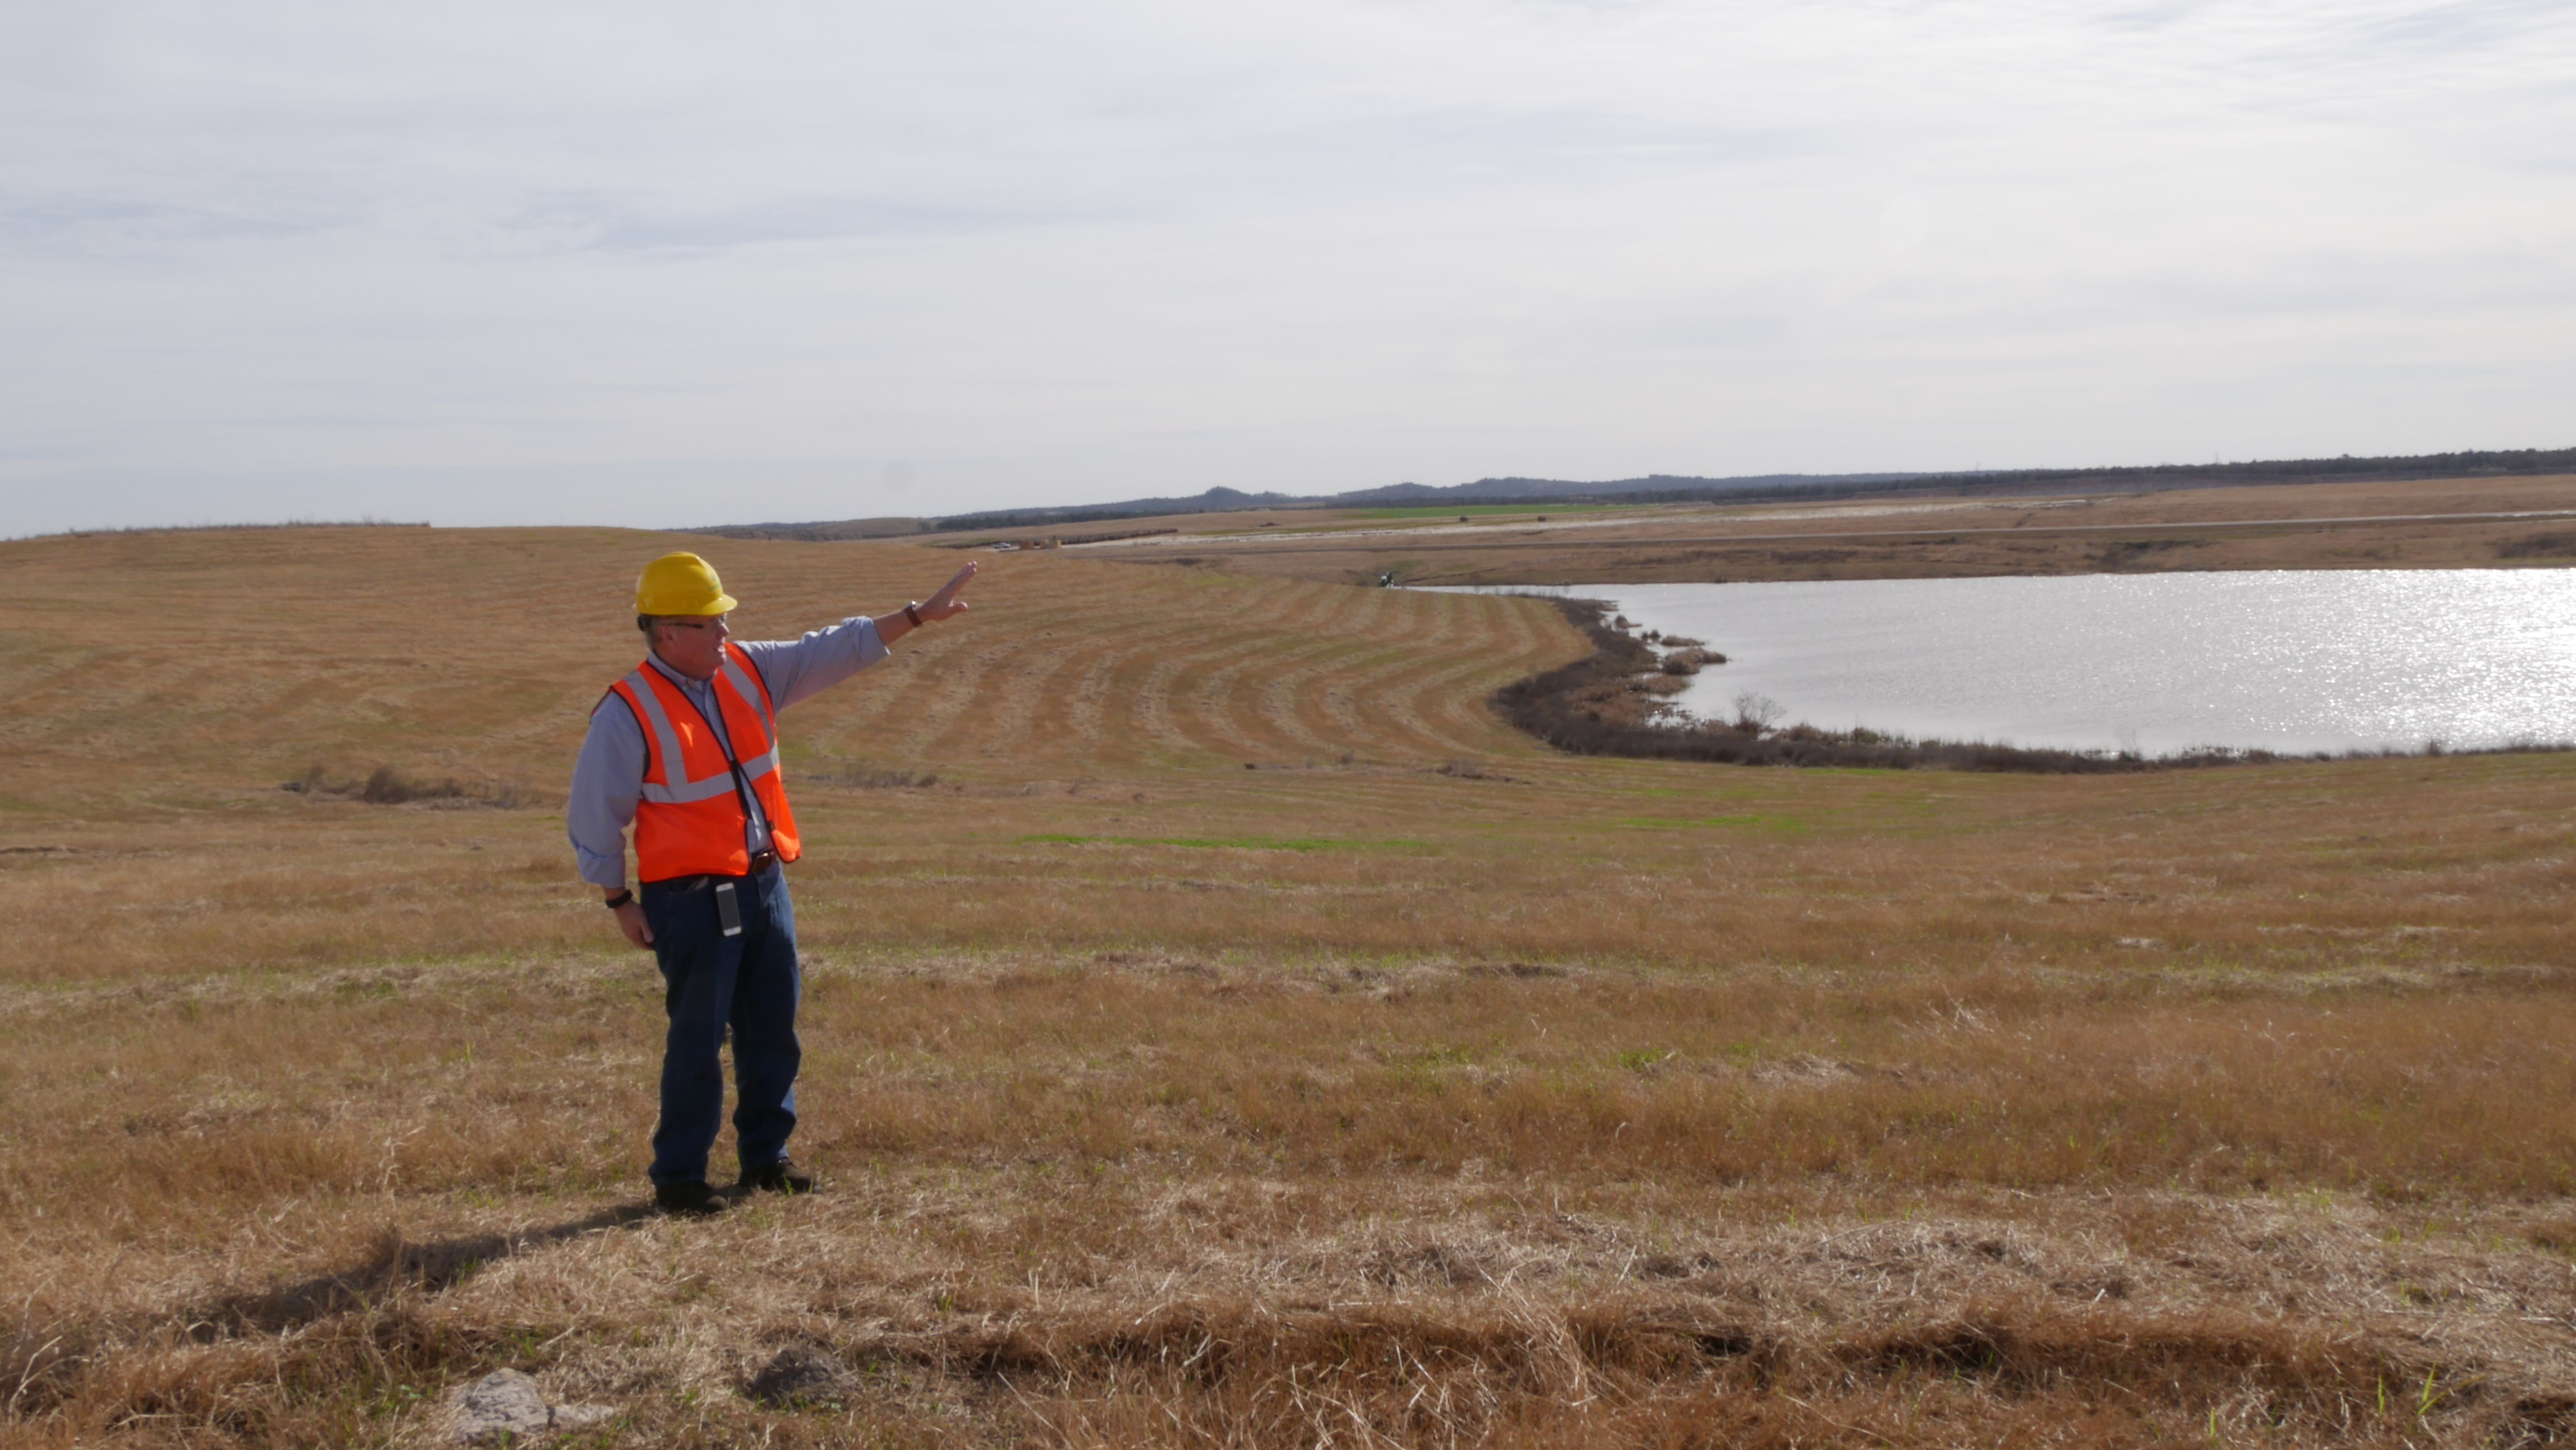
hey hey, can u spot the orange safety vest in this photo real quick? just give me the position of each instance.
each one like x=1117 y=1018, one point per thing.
x=691 y=821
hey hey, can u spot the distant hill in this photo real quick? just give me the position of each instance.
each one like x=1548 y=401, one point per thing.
x=1225 y=500
x=1682 y=488
x=1552 y=490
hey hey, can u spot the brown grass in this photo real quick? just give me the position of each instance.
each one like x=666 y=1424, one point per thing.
x=1416 y=1086
x=2424 y=524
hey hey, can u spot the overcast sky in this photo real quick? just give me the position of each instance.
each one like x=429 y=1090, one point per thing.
x=674 y=264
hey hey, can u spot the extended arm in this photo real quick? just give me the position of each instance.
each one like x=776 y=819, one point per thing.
x=797 y=669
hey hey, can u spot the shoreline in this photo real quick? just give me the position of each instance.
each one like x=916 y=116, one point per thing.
x=1607 y=703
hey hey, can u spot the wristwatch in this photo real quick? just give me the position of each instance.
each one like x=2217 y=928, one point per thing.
x=912 y=611
x=622 y=897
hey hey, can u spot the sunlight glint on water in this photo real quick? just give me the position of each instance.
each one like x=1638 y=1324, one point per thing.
x=2289 y=660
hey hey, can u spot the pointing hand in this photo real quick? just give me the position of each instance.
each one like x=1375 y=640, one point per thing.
x=945 y=603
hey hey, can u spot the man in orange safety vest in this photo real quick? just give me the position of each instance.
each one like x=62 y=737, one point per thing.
x=685 y=747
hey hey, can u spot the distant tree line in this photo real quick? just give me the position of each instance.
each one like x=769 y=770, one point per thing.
x=2499 y=463
x=1036 y=518
x=2477 y=464
x=1663 y=488
x=1678 y=488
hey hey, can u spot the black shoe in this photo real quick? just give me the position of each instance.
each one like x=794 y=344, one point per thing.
x=691 y=1200
x=782 y=1176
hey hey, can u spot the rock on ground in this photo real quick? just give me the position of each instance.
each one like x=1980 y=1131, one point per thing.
x=507 y=1402
x=504 y=1402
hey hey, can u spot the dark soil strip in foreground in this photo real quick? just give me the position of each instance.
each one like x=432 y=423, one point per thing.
x=1599 y=706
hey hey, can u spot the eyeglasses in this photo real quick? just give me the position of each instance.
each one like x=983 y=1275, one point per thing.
x=684 y=624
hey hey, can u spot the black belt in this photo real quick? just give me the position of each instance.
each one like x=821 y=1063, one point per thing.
x=760 y=861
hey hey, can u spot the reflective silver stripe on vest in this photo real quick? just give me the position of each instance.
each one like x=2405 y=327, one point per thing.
x=766 y=761
x=666 y=744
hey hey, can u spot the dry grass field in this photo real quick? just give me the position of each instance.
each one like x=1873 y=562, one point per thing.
x=1220 y=1031
x=2438 y=523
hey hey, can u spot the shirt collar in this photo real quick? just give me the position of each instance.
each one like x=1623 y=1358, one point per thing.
x=674 y=676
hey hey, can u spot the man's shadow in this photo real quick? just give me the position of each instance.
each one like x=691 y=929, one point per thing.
x=395 y=1267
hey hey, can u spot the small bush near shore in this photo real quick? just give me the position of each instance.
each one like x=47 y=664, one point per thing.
x=2538 y=546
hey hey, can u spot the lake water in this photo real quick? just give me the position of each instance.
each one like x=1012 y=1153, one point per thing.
x=2286 y=660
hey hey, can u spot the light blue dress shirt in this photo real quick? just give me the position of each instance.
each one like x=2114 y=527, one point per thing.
x=608 y=777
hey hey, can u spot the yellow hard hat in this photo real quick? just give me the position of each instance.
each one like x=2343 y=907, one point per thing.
x=681 y=584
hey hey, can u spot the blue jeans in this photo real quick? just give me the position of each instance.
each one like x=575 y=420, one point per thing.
x=713 y=981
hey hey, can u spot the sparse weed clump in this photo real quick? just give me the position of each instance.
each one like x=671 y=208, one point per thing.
x=388 y=785
x=859 y=776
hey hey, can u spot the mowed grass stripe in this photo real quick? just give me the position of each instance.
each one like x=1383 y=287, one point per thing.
x=1216 y=693
x=1267 y=711
x=1439 y=618
x=1133 y=666
x=1441 y=705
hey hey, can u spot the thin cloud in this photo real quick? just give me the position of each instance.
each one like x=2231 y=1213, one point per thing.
x=91 y=223
x=480 y=262
x=650 y=225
